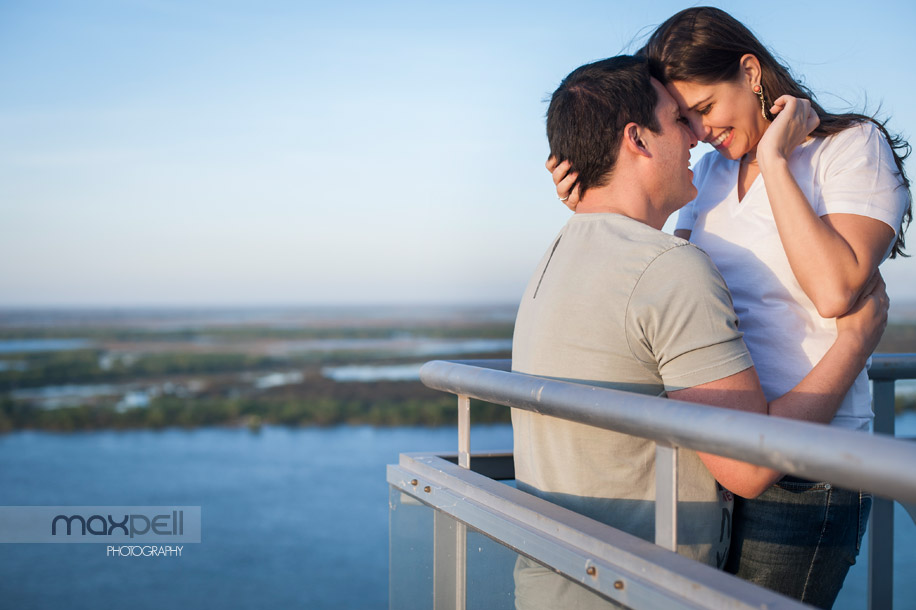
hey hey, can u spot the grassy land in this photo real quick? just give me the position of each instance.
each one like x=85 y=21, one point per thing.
x=219 y=363
x=397 y=408
x=205 y=376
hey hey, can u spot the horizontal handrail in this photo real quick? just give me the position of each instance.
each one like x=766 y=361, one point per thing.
x=883 y=366
x=890 y=366
x=842 y=457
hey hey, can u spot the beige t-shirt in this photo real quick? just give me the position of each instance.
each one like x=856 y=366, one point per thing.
x=619 y=304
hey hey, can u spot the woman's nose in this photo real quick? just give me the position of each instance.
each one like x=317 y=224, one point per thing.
x=699 y=130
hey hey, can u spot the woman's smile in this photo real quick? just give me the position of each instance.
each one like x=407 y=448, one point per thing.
x=724 y=139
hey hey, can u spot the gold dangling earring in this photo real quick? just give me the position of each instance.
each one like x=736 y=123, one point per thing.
x=758 y=89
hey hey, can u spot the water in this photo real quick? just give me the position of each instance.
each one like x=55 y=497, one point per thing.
x=406 y=345
x=19 y=346
x=64 y=393
x=368 y=372
x=291 y=517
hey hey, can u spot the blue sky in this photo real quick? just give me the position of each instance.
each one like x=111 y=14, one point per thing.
x=241 y=153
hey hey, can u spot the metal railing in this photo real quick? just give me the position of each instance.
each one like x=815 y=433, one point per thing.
x=884 y=371
x=842 y=457
x=446 y=573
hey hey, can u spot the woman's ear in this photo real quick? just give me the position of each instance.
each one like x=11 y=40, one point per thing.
x=750 y=69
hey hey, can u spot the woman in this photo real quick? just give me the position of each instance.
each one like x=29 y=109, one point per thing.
x=797 y=207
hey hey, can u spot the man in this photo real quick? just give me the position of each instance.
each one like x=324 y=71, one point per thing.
x=615 y=302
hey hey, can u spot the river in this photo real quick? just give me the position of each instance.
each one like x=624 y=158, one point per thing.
x=291 y=518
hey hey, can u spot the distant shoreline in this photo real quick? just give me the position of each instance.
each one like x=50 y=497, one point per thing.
x=155 y=368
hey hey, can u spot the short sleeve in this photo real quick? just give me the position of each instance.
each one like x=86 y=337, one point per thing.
x=680 y=319
x=859 y=176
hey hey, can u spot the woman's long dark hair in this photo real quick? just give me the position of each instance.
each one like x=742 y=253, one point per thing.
x=705 y=45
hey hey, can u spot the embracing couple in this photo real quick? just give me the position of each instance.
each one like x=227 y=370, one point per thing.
x=767 y=299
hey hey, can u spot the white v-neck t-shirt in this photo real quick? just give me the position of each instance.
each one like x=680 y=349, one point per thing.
x=852 y=172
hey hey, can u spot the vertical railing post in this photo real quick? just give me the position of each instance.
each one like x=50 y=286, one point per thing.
x=881 y=522
x=666 y=496
x=464 y=431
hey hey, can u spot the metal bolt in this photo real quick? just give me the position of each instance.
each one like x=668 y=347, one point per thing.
x=427 y=489
x=591 y=570
x=413 y=482
x=618 y=584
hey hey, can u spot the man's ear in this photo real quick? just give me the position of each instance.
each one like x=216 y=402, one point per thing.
x=634 y=140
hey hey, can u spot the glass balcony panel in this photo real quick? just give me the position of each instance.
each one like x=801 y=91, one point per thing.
x=410 y=557
x=428 y=568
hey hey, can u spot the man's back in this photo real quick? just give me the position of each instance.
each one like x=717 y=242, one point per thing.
x=619 y=304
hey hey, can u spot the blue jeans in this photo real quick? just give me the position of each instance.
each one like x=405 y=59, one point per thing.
x=799 y=538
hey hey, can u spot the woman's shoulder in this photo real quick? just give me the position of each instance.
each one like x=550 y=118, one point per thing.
x=714 y=177
x=862 y=144
x=860 y=134
x=711 y=159
x=709 y=165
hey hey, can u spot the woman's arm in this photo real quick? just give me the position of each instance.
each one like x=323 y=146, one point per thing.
x=741 y=392
x=816 y=398
x=832 y=256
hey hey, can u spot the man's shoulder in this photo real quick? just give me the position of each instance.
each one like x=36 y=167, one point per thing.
x=620 y=249
x=681 y=252
x=669 y=254
x=635 y=239
x=681 y=265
